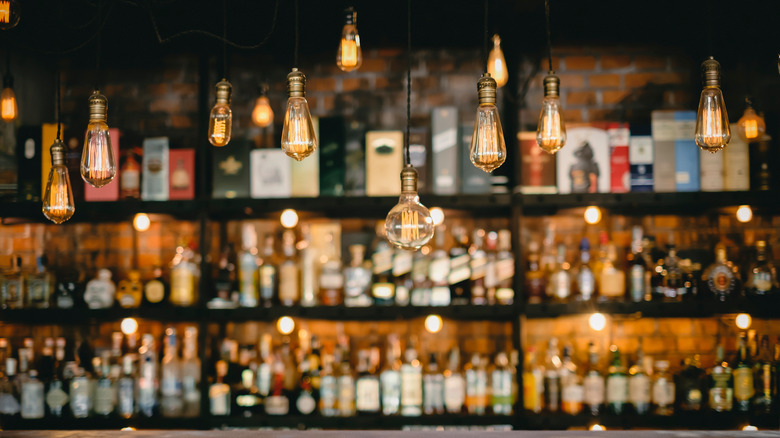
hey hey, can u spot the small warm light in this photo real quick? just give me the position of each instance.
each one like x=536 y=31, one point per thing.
x=749 y=427
x=597 y=321
x=433 y=323
x=289 y=218
x=262 y=114
x=592 y=215
x=127 y=429
x=285 y=325
x=744 y=213
x=744 y=321
x=597 y=427
x=497 y=63
x=751 y=126
x=437 y=214
x=129 y=326
x=141 y=222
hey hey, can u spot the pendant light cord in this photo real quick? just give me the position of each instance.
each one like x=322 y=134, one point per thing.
x=8 y=62
x=224 y=39
x=486 y=38
x=97 y=62
x=297 y=31
x=547 y=23
x=58 y=106
x=408 y=77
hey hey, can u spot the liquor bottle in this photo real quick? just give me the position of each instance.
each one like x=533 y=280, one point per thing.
x=9 y=397
x=307 y=394
x=56 y=397
x=80 y=394
x=762 y=275
x=126 y=403
x=594 y=386
x=721 y=383
x=147 y=377
x=328 y=388
x=559 y=285
x=32 y=401
x=247 y=400
x=277 y=403
x=572 y=391
x=267 y=272
x=638 y=274
x=219 y=392
x=156 y=291
x=100 y=291
x=289 y=275
x=721 y=278
x=505 y=271
x=180 y=178
x=130 y=177
x=743 y=377
x=501 y=398
x=460 y=268
x=247 y=267
x=421 y=283
x=663 y=389
x=185 y=276
x=639 y=384
x=617 y=384
x=670 y=284
x=68 y=289
x=130 y=290
x=411 y=383
x=403 y=262
x=433 y=388
x=390 y=378
x=691 y=385
x=367 y=399
x=357 y=279
x=476 y=386
x=308 y=266
x=382 y=287
x=345 y=387
x=39 y=285
x=535 y=282
x=438 y=275
x=765 y=376
x=331 y=279
x=585 y=280
x=611 y=279
x=454 y=384
x=533 y=382
x=103 y=398
x=552 y=377
x=478 y=267
x=190 y=368
x=170 y=377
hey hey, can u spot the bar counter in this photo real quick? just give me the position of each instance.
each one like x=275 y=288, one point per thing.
x=383 y=434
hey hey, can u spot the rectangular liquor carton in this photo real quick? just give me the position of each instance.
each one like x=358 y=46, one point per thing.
x=537 y=167
x=231 y=170
x=154 y=169
x=384 y=162
x=182 y=174
x=583 y=165
x=663 y=129
x=686 y=152
x=620 y=170
x=306 y=173
x=332 y=156
x=640 y=158
x=444 y=161
x=271 y=173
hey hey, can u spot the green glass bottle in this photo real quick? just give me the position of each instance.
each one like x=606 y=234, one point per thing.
x=617 y=384
x=743 y=377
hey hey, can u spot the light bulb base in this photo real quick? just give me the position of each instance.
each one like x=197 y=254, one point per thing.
x=224 y=91
x=98 y=107
x=710 y=70
x=58 y=153
x=496 y=40
x=409 y=179
x=552 y=85
x=296 y=84
x=486 y=88
x=350 y=16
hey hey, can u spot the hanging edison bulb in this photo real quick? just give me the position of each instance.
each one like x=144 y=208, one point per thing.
x=488 y=150
x=751 y=126
x=497 y=64
x=349 y=56
x=551 y=131
x=262 y=114
x=10 y=12
x=58 y=198
x=221 y=116
x=98 y=167
x=712 y=121
x=8 y=109
x=298 y=137
x=409 y=224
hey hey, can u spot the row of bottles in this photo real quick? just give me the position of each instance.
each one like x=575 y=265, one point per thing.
x=746 y=384
x=125 y=381
x=308 y=380
x=477 y=269
x=645 y=275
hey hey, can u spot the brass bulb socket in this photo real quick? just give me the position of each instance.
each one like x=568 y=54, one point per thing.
x=296 y=84
x=98 y=107
x=552 y=85
x=58 y=153
x=486 y=88
x=710 y=70
x=350 y=16
x=224 y=91
x=409 y=179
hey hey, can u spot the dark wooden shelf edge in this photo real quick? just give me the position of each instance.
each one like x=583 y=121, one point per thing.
x=363 y=422
x=759 y=307
x=687 y=420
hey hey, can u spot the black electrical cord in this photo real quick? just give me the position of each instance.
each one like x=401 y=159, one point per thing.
x=408 y=78
x=297 y=30
x=485 y=42
x=58 y=108
x=224 y=39
x=549 y=44
x=97 y=62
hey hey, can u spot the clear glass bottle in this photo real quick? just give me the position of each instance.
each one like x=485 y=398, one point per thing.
x=382 y=285
x=9 y=397
x=267 y=272
x=104 y=397
x=559 y=285
x=346 y=387
x=671 y=282
x=505 y=271
x=289 y=274
x=639 y=384
x=13 y=286
x=638 y=273
x=533 y=382
x=421 y=283
x=147 y=377
x=80 y=394
x=572 y=391
x=762 y=275
x=476 y=386
x=126 y=400
x=617 y=384
x=478 y=266
x=331 y=278
x=403 y=262
x=357 y=279
x=390 y=378
x=765 y=379
x=454 y=384
x=190 y=373
x=501 y=399
x=411 y=383
x=552 y=377
x=32 y=401
x=721 y=394
x=460 y=268
x=663 y=389
x=328 y=388
x=100 y=291
x=535 y=281
x=247 y=267
x=433 y=388
x=39 y=285
x=367 y=400
x=438 y=274
x=593 y=383
x=585 y=280
x=219 y=392
x=721 y=278
x=611 y=278
x=185 y=276
x=130 y=290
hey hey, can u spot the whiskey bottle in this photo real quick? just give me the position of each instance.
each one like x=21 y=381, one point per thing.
x=357 y=279
x=80 y=394
x=762 y=275
x=277 y=403
x=100 y=291
x=331 y=279
x=185 y=276
x=411 y=383
x=478 y=263
x=454 y=384
x=126 y=405
x=308 y=283
x=328 y=388
x=403 y=262
x=533 y=382
x=147 y=377
x=535 y=281
x=559 y=286
x=382 y=287
x=505 y=271
x=611 y=279
x=663 y=389
x=691 y=385
x=552 y=377
x=219 y=392
x=721 y=383
x=593 y=383
x=156 y=292
x=247 y=267
x=267 y=272
x=572 y=391
x=585 y=280
x=247 y=401
x=720 y=278
x=190 y=373
x=130 y=290
x=433 y=388
x=476 y=386
x=460 y=268
x=617 y=384
x=103 y=399
x=639 y=384
x=671 y=284
x=289 y=275
x=765 y=379
x=501 y=385
x=438 y=274
x=346 y=387
x=13 y=287
x=9 y=398
x=170 y=377
x=367 y=386
x=421 y=283
x=638 y=274
x=390 y=378
x=39 y=285
x=32 y=401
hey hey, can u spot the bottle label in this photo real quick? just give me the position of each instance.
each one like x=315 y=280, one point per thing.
x=476 y=390
x=560 y=284
x=721 y=398
x=637 y=282
x=459 y=269
x=277 y=405
x=56 y=398
x=267 y=279
x=586 y=282
x=743 y=384
x=79 y=397
x=762 y=282
x=411 y=386
x=247 y=400
x=721 y=279
x=438 y=270
x=765 y=380
x=433 y=393
x=478 y=267
x=505 y=269
x=154 y=291
x=104 y=398
x=182 y=287
x=264 y=379
x=9 y=405
x=383 y=291
x=617 y=389
x=440 y=296
x=532 y=397
x=639 y=389
x=594 y=390
x=454 y=393
x=328 y=395
x=32 y=400
x=402 y=263
x=367 y=389
x=130 y=180
x=305 y=403
x=391 y=391
x=125 y=405
x=346 y=401
x=288 y=283
x=219 y=398
x=383 y=260
x=331 y=280
x=612 y=283
x=663 y=392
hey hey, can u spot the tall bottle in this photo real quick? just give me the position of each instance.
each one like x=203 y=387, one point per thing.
x=357 y=279
x=501 y=399
x=219 y=392
x=721 y=394
x=765 y=379
x=611 y=279
x=411 y=383
x=289 y=276
x=535 y=278
x=505 y=270
x=559 y=285
x=80 y=394
x=367 y=400
x=103 y=392
x=533 y=382
x=476 y=386
x=390 y=378
x=593 y=383
x=438 y=274
x=56 y=396
x=147 y=377
x=32 y=401
x=247 y=267
x=267 y=273
x=346 y=387
x=762 y=275
x=39 y=285
x=331 y=280
x=433 y=388
x=308 y=296
x=460 y=268
x=170 y=377
x=328 y=388
x=552 y=377
x=126 y=399
x=572 y=391
x=479 y=261
x=617 y=384
x=382 y=286
x=185 y=275
x=585 y=280
x=638 y=274
x=9 y=396
x=721 y=277
x=454 y=384
x=403 y=262
x=639 y=384
x=663 y=389
x=190 y=373
x=691 y=385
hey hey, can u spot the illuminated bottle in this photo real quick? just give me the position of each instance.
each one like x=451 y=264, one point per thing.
x=98 y=166
x=221 y=116
x=349 y=56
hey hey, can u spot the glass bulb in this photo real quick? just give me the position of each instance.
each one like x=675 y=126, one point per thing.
x=98 y=167
x=497 y=64
x=262 y=115
x=8 y=104
x=221 y=116
x=551 y=132
x=712 y=121
x=751 y=126
x=488 y=150
x=298 y=138
x=58 y=203
x=409 y=224
x=349 y=56
x=10 y=12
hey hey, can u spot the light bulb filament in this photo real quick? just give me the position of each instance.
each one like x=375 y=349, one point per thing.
x=751 y=129
x=220 y=127
x=5 y=11
x=410 y=229
x=348 y=52
x=8 y=109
